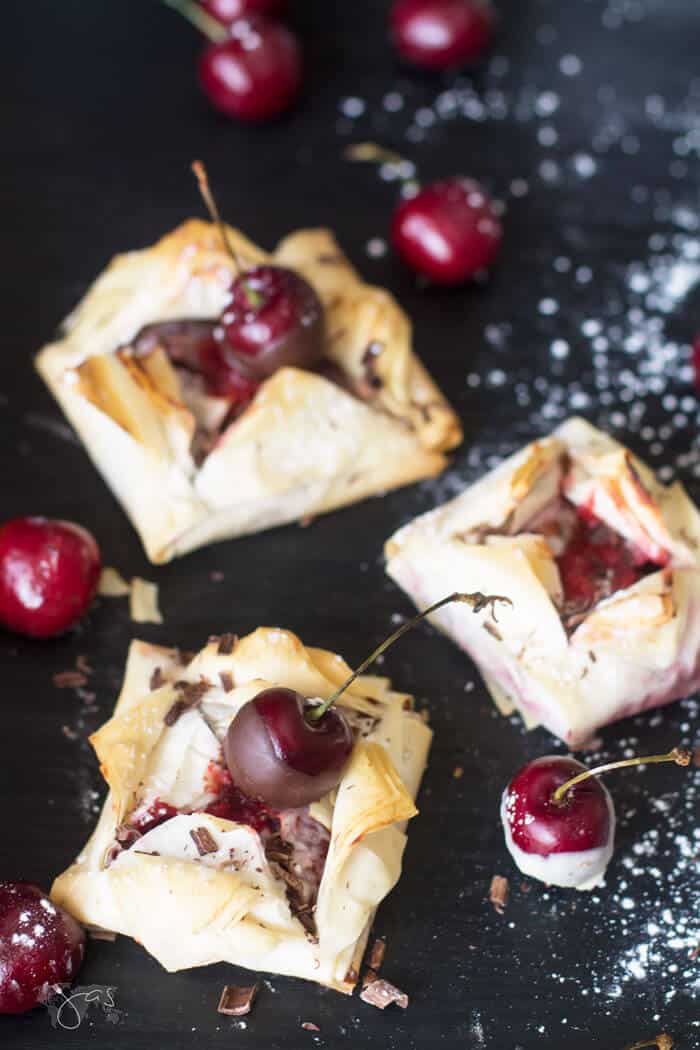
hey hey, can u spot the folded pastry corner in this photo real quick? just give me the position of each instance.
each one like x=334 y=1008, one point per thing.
x=196 y=871
x=602 y=564
x=192 y=465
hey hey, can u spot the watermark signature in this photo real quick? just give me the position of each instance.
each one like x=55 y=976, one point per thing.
x=68 y=1009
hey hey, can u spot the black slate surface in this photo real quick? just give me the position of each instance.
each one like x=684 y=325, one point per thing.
x=585 y=122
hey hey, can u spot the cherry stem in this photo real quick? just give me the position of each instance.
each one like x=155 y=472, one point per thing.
x=372 y=153
x=199 y=18
x=661 y=1042
x=200 y=173
x=678 y=755
x=477 y=600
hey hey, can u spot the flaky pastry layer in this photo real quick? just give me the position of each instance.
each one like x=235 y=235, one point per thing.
x=637 y=649
x=229 y=905
x=304 y=445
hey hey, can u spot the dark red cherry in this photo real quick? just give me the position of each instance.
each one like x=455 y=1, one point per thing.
x=448 y=231
x=539 y=824
x=227 y=11
x=41 y=946
x=49 y=571
x=441 y=34
x=223 y=375
x=254 y=75
x=274 y=319
x=275 y=751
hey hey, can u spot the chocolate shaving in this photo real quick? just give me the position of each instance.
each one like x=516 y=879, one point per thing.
x=204 y=841
x=157 y=680
x=493 y=631
x=237 y=1001
x=69 y=679
x=376 y=954
x=381 y=993
x=126 y=836
x=227 y=643
x=96 y=933
x=309 y=1026
x=498 y=893
x=174 y=712
x=192 y=693
x=226 y=681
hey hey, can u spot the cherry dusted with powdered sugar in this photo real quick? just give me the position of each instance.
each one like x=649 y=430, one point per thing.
x=274 y=319
x=49 y=572
x=255 y=74
x=252 y=68
x=559 y=819
x=41 y=947
x=441 y=34
x=539 y=824
x=448 y=231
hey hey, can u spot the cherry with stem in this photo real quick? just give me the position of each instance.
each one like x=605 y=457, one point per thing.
x=478 y=602
x=290 y=750
x=679 y=755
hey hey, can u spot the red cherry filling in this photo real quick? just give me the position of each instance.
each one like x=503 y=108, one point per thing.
x=448 y=231
x=196 y=347
x=440 y=34
x=49 y=571
x=152 y=816
x=596 y=563
x=274 y=319
x=41 y=946
x=223 y=377
x=538 y=824
x=233 y=804
x=254 y=75
x=277 y=752
x=227 y=11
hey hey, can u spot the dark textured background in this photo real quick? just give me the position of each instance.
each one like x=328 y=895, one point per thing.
x=100 y=118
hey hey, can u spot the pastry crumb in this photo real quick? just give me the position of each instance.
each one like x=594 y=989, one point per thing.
x=498 y=893
x=112 y=584
x=458 y=772
x=309 y=1026
x=143 y=601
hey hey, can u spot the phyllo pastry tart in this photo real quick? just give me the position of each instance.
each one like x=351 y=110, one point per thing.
x=221 y=390
x=601 y=563
x=198 y=871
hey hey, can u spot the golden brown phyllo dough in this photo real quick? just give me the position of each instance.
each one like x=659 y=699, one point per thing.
x=186 y=470
x=602 y=564
x=198 y=873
